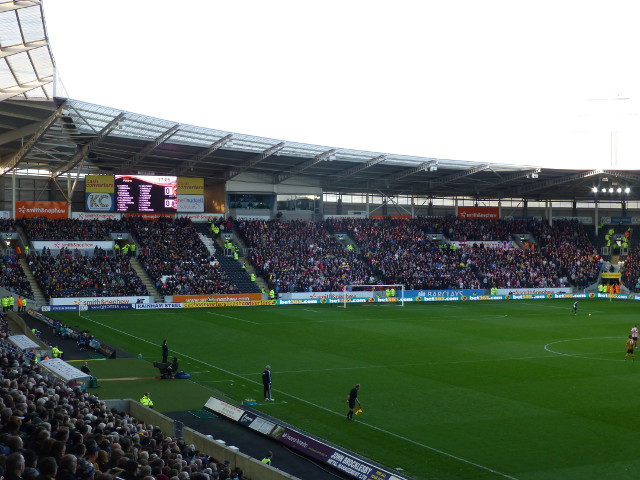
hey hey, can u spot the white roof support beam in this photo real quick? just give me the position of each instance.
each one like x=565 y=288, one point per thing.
x=550 y=183
x=196 y=159
x=298 y=169
x=84 y=151
x=455 y=176
x=360 y=167
x=21 y=132
x=150 y=147
x=32 y=142
x=620 y=174
x=16 y=90
x=252 y=162
x=411 y=171
x=21 y=48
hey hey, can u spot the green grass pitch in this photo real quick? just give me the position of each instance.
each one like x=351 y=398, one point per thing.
x=467 y=390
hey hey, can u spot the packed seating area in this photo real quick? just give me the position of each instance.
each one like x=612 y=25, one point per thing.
x=50 y=430
x=13 y=277
x=631 y=273
x=74 y=274
x=70 y=229
x=301 y=256
x=175 y=258
x=567 y=247
x=403 y=251
x=298 y=256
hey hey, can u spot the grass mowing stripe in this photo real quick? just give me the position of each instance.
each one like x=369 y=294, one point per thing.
x=302 y=400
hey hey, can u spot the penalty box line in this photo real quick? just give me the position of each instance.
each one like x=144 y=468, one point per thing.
x=381 y=430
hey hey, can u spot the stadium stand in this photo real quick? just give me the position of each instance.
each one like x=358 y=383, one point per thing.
x=301 y=256
x=79 y=275
x=176 y=259
x=630 y=275
x=50 y=427
x=13 y=277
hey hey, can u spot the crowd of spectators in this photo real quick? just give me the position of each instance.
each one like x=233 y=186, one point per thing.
x=301 y=256
x=7 y=225
x=74 y=274
x=175 y=258
x=52 y=431
x=305 y=256
x=13 y=277
x=566 y=246
x=42 y=228
x=293 y=255
x=630 y=276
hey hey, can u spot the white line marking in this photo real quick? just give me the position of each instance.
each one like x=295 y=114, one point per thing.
x=216 y=381
x=309 y=310
x=584 y=355
x=302 y=400
x=233 y=318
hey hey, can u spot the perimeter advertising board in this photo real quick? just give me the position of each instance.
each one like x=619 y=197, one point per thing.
x=240 y=297
x=190 y=186
x=200 y=217
x=489 y=213
x=72 y=245
x=354 y=467
x=99 y=202
x=504 y=245
x=95 y=216
x=190 y=203
x=533 y=291
x=94 y=301
x=33 y=209
x=99 y=184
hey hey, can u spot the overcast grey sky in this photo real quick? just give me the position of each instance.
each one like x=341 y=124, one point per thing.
x=538 y=83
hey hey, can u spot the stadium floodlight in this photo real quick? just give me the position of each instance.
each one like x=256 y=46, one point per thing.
x=627 y=190
x=604 y=190
x=594 y=189
x=369 y=294
x=610 y=189
x=619 y=190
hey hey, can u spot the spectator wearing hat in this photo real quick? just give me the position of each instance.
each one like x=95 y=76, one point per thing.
x=84 y=470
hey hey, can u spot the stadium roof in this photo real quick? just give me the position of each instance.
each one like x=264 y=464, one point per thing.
x=41 y=133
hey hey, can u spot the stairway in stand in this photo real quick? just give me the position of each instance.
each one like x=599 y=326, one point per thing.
x=146 y=279
x=38 y=296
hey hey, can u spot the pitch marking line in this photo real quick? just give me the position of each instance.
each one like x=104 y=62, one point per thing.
x=126 y=378
x=584 y=355
x=234 y=318
x=320 y=407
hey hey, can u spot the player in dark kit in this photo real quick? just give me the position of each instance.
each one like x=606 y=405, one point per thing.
x=352 y=398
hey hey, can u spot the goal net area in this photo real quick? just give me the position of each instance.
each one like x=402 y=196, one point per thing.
x=371 y=294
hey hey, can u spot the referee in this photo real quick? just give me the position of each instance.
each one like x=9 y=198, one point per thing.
x=352 y=398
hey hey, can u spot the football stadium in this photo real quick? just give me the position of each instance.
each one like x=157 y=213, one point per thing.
x=181 y=302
